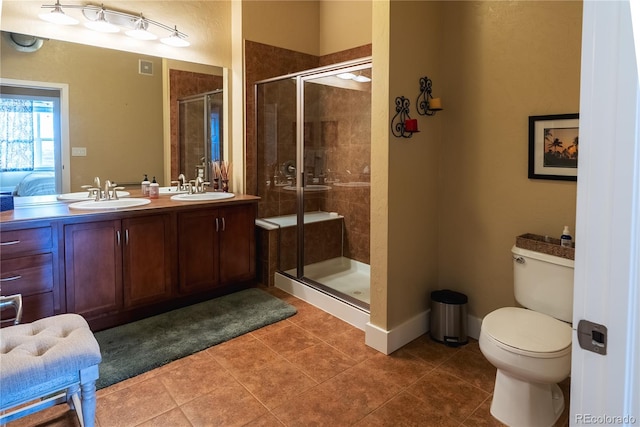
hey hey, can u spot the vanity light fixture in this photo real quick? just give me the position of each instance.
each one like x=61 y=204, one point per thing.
x=101 y=24
x=140 y=31
x=175 y=39
x=111 y=21
x=427 y=105
x=403 y=126
x=57 y=16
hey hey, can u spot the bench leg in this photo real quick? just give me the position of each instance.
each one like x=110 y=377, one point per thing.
x=88 y=404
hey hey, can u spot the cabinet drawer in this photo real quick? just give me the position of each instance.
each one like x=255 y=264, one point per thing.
x=27 y=275
x=27 y=240
x=34 y=307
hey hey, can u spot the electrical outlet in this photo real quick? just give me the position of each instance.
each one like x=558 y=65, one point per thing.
x=78 y=151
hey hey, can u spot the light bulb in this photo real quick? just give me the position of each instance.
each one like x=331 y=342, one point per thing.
x=346 y=76
x=175 y=40
x=140 y=31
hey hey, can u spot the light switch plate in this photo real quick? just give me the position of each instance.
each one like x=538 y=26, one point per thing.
x=78 y=151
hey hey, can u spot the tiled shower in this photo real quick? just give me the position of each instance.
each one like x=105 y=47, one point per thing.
x=313 y=166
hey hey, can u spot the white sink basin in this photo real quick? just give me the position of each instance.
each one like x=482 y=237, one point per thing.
x=310 y=187
x=84 y=195
x=201 y=197
x=110 y=204
x=171 y=190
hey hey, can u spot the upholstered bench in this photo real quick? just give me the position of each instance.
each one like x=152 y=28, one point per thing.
x=47 y=362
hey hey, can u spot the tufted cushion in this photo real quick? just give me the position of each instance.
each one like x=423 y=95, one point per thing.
x=43 y=354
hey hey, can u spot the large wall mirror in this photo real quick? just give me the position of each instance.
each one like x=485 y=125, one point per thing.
x=119 y=113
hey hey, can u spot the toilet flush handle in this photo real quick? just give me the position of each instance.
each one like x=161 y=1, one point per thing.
x=519 y=259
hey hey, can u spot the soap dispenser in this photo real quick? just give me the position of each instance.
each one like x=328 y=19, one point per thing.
x=565 y=239
x=145 y=185
x=154 y=189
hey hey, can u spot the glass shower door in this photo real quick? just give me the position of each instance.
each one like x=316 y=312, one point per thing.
x=333 y=201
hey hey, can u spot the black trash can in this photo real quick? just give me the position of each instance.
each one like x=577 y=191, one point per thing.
x=448 y=320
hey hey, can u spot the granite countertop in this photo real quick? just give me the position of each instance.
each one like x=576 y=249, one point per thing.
x=545 y=245
x=49 y=207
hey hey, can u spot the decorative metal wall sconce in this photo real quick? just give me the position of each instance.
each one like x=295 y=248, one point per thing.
x=427 y=105
x=402 y=125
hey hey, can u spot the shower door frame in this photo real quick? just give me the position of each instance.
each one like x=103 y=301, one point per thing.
x=352 y=66
x=206 y=112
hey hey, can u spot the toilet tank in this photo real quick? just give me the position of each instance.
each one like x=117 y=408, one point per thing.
x=543 y=283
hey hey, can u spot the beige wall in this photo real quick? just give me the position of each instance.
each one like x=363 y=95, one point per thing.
x=458 y=192
x=503 y=62
x=115 y=112
x=344 y=25
x=293 y=25
x=411 y=191
x=315 y=27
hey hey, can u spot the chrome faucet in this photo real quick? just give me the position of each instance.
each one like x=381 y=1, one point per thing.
x=197 y=185
x=110 y=190
x=92 y=191
x=181 y=183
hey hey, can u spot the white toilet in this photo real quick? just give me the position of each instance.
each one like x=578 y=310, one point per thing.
x=531 y=347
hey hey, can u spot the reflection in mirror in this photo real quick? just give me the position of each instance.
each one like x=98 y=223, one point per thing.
x=196 y=121
x=200 y=133
x=111 y=110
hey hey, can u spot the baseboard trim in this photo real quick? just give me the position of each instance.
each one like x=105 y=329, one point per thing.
x=389 y=341
x=378 y=338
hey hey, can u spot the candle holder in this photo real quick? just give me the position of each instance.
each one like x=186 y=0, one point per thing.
x=427 y=105
x=402 y=125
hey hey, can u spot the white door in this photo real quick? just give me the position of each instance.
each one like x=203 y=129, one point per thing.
x=605 y=389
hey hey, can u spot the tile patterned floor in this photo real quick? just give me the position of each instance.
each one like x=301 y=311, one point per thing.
x=309 y=370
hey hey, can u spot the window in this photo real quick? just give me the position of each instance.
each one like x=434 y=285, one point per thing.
x=30 y=138
x=26 y=134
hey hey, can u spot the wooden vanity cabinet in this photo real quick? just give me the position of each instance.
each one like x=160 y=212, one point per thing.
x=216 y=247
x=93 y=268
x=27 y=267
x=147 y=260
x=115 y=265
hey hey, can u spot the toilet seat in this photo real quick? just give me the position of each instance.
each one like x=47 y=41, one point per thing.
x=527 y=332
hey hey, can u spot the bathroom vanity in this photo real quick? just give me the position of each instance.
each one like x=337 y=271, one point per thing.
x=116 y=266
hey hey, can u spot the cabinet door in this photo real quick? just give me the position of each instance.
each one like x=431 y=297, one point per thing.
x=237 y=243
x=93 y=268
x=198 y=250
x=147 y=259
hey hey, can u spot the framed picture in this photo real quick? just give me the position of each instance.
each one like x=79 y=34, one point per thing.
x=553 y=147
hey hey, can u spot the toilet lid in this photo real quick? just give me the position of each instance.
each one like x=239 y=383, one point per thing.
x=527 y=330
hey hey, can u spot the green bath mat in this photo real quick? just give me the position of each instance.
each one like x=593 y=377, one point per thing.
x=138 y=347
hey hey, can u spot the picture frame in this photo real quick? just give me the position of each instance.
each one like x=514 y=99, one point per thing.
x=553 y=147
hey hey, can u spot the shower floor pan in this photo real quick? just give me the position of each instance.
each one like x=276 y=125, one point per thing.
x=345 y=275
